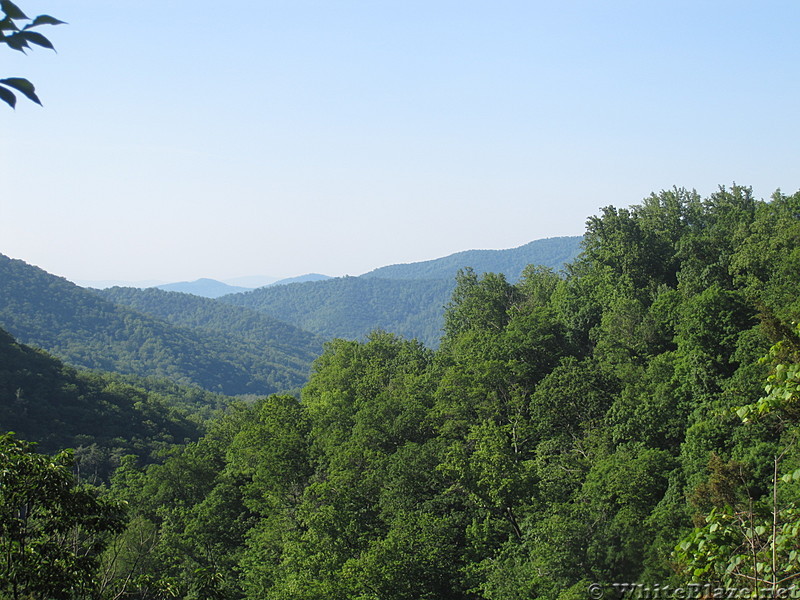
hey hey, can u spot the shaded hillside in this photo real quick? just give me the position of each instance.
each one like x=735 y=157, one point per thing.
x=47 y=402
x=86 y=330
x=551 y=252
x=351 y=307
x=296 y=347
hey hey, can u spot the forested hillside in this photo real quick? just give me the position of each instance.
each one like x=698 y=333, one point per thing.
x=351 y=307
x=609 y=426
x=550 y=252
x=404 y=299
x=103 y=417
x=86 y=330
x=282 y=342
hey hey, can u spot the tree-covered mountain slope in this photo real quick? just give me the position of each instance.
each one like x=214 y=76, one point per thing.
x=297 y=347
x=351 y=307
x=569 y=434
x=45 y=401
x=553 y=253
x=87 y=330
x=408 y=299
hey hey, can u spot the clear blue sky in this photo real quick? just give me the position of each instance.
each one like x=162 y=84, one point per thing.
x=186 y=139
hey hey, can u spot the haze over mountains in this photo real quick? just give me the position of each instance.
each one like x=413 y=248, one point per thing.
x=212 y=288
x=550 y=252
x=208 y=288
x=256 y=342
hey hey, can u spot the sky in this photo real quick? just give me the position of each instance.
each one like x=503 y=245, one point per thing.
x=182 y=139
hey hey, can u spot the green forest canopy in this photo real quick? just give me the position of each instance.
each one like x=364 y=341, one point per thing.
x=607 y=426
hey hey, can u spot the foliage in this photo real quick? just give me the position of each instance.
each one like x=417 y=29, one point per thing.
x=569 y=429
x=52 y=531
x=782 y=397
x=19 y=37
x=755 y=544
x=102 y=417
x=745 y=549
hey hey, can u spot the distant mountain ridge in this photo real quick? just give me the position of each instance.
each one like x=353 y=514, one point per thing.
x=250 y=281
x=212 y=288
x=406 y=299
x=549 y=252
x=208 y=288
x=300 y=279
x=101 y=284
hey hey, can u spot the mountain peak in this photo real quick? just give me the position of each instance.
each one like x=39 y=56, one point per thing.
x=208 y=288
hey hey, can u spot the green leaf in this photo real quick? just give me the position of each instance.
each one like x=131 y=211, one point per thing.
x=8 y=97
x=23 y=86
x=12 y=10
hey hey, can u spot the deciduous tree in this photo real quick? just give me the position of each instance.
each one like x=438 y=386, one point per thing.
x=52 y=530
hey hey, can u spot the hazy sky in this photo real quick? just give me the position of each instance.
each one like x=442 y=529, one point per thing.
x=186 y=139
